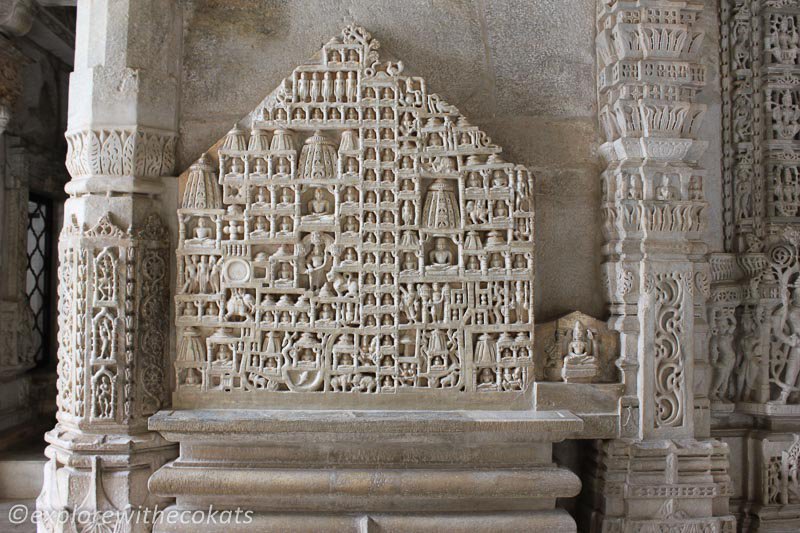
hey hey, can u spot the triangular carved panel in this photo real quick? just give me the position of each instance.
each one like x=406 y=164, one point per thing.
x=364 y=239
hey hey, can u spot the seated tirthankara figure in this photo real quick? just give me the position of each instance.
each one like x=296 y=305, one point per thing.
x=580 y=364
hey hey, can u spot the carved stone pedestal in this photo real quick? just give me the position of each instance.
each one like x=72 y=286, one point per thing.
x=359 y=470
x=667 y=485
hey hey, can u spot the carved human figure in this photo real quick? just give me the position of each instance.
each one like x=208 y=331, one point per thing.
x=664 y=191
x=441 y=255
x=786 y=329
x=724 y=354
x=580 y=363
x=202 y=234
x=748 y=372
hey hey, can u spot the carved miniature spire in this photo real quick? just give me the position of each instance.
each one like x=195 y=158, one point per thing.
x=259 y=141
x=317 y=158
x=235 y=139
x=201 y=190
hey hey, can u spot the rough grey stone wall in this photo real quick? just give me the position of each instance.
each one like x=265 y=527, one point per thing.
x=522 y=70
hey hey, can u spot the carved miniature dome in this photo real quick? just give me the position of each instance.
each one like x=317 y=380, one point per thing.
x=202 y=191
x=236 y=139
x=318 y=158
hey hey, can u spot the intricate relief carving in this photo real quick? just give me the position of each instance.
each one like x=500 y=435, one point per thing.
x=669 y=360
x=576 y=348
x=120 y=152
x=392 y=253
x=112 y=302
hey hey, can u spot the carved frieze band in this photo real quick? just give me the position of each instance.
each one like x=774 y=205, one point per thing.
x=120 y=152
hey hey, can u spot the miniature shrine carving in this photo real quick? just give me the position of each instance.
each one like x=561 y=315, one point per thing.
x=576 y=348
x=364 y=237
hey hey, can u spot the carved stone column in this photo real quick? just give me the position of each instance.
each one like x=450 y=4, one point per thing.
x=114 y=265
x=657 y=271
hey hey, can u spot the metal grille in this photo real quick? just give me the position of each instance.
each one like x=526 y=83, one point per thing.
x=38 y=274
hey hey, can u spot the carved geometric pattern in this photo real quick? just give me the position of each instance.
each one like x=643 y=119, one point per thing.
x=363 y=238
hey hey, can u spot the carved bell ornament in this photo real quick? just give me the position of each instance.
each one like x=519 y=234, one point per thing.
x=317 y=158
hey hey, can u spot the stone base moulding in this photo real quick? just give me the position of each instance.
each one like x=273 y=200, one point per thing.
x=358 y=470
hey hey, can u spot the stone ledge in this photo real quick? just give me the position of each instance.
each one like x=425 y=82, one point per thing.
x=549 y=426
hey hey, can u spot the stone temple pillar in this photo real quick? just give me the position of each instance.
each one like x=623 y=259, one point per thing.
x=654 y=205
x=114 y=265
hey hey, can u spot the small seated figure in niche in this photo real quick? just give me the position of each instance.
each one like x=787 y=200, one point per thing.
x=387 y=197
x=410 y=262
x=370 y=175
x=474 y=181
x=202 y=234
x=260 y=168
x=408 y=185
x=441 y=256
x=350 y=225
x=370 y=218
x=387 y=176
x=286 y=225
x=287 y=196
x=319 y=206
x=486 y=380
x=387 y=218
x=261 y=198
x=664 y=191
x=261 y=229
x=283 y=166
x=285 y=272
x=236 y=169
x=497 y=262
x=473 y=264
x=519 y=262
x=387 y=238
x=387 y=258
x=352 y=165
x=349 y=256
x=224 y=356
x=370 y=198
x=326 y=315
x=499 y=179
x=371 y=238
x=350 y=196
x=500 y=210
x=580 y=364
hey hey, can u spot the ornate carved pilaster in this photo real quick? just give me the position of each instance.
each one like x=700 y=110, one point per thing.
x=760 y=58
x=657 y=273
x=114 y=268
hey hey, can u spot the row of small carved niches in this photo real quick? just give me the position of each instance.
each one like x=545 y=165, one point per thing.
x=259 y=156
x=385 y=360
x=652 y=184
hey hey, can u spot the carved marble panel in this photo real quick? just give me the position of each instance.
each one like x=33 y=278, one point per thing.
x=362 y=238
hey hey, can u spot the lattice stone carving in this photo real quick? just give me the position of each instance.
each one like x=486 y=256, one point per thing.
x=363 y=238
